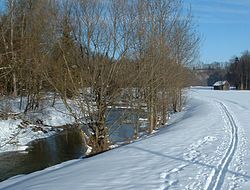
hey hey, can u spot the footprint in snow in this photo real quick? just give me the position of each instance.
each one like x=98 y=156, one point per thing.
x=169 y=177
x=192 y=155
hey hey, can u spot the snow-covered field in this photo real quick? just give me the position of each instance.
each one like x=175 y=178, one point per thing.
x=204 y=147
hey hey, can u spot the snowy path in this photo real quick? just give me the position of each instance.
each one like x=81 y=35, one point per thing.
x=205 y=147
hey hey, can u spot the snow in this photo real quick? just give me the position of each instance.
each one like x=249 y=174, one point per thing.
x=220 y=83
x=204 y=147
x=56 y=115
x=14 y=135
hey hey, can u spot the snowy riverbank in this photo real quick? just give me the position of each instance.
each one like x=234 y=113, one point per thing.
x=18 y=129
x=15 y=134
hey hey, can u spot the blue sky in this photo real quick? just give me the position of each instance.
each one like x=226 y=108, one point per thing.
x=224 y=27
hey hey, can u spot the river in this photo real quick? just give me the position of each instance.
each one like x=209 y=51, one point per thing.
x=42 y=153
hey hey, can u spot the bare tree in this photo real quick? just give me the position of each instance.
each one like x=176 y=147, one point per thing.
x=96 y=54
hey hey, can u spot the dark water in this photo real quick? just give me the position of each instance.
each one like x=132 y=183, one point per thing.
x=122 y=123
x=43 y=153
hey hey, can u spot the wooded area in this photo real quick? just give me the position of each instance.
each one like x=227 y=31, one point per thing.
x=238 y=72
x=97 y=54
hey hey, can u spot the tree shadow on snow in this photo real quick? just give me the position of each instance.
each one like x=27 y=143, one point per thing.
x=189 y=162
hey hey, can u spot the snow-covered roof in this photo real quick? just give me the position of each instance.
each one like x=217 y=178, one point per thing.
x=220 y=83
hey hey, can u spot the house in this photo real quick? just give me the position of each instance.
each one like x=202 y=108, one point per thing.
x=221 y=85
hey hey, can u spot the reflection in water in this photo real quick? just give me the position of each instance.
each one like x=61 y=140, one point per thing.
x=122 y=123
x=41 y=154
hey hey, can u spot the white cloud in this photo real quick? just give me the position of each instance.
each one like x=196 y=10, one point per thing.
x=221 y=11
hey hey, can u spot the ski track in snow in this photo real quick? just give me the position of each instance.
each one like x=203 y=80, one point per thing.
x=217 y=176
x=231 y=151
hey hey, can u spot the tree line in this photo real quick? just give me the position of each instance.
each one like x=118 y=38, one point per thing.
x=236 y=71
x=95 y=54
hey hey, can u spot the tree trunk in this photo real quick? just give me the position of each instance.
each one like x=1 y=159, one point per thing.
x=155 y=119
x=241 y=83
x=100 y=139
x=14 y=85
x=175 y=100
x=150 y=113
x=152 y=110
x=12 y=47
x=246 y=82
x=136 y=129
x=180 y=99
x=164 y=108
